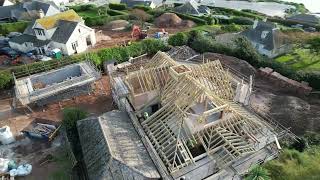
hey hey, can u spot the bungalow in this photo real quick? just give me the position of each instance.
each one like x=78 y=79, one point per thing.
x=267 y=39
x=305 y=19
x=65 y=31
x=27 y=11
x=193 y=8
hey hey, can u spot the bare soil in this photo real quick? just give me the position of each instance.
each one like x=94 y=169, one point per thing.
x=301 y=113
x=29 y=151
x=119 y=38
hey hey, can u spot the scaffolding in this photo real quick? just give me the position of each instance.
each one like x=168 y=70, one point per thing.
x=31 y=88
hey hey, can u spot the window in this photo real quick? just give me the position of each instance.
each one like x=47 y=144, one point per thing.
x=74 y=45
x=40 y=32
x=79 y=31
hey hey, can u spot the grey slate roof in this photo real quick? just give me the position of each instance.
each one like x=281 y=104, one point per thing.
x=110 y=143
x=131 y=3
x=29 y=29
x=29 y=38
x=273 y=38
x=306 y=18
x=64 y=31
x=192 y=7
x=17 y=10
x=2 y=2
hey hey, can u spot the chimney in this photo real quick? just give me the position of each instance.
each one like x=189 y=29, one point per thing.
x=41 y=13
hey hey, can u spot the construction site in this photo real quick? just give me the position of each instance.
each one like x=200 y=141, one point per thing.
x=174 y=115
x=55 y=85
x=190 y=118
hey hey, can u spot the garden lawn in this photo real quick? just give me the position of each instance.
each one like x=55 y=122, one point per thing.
x=301 y=59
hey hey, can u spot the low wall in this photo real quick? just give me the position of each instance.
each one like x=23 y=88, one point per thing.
x=300 y=88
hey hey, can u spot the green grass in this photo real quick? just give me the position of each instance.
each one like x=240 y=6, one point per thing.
x=65 y=167
x=88 y=13
x=294 y=165
x=301 y=59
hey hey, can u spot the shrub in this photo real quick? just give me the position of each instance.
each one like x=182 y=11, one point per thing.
x=231 y=28
x=70 y=118
x=192 y=18
x=258 y=172
x=83 y=7
x=5 y=79
x=142 y=7
x=112 y=12
x=178 y=39
x=96 y=21
x=118 y=6
x=242 y=21
x=6 y=28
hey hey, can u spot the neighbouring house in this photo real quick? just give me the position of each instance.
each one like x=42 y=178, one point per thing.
x=27 y=11
x=267 y=38
x=65 y=31
x=5 y=3
x=131 y=3
x=193 y=8
x=305 y=19
x=147 y=3
x=117 y=151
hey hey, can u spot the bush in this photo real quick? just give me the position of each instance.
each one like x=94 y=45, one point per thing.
x=197 y=20
x=242 y=21
x=142 y=7
x=118 y=6
x=5 y=79
x=95 y=21
x=70 y=118
x=6 y=28
x=178 y=39
x=112 y=12
x=83 y=7
x=231 y=28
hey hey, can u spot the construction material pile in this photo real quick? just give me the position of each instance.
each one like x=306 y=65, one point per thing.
x=117 y=25
x=182 y=53
x=41 y=129
x=168 y=20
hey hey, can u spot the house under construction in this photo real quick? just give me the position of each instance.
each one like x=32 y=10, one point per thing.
x=54 y=85
x=188 y=119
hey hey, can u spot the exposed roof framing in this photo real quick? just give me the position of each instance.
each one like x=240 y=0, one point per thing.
x=196 y=109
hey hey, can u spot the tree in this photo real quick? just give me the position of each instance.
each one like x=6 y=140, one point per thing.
x=70 y=118
x=141 y=15
x=258 y=173
x=244 y=50
x=314 y=46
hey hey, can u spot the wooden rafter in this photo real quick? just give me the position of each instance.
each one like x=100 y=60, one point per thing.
x=179 y=88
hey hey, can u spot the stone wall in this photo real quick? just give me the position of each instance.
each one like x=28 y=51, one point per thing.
x=281 y=81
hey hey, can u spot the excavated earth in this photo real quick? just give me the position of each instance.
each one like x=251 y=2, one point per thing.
x=301 y=113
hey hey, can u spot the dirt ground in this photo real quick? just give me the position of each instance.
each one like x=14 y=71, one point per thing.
x=299 y=113
x=118 y=38
x=25 y=150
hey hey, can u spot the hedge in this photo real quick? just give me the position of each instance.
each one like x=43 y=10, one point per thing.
x=192 y=18
x=120 y=54
x=178 y=39
x=6 y=28
x=142 y=7
x=244 y=50
x=79 y=8
x=234 y=12
x=112 y=12
x=118 y=6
